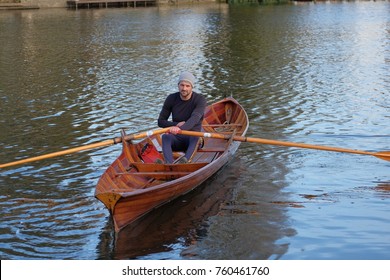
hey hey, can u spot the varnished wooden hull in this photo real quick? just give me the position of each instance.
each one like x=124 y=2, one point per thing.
x=130 y=188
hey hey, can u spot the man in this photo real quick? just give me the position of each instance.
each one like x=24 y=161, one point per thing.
x=187 y=110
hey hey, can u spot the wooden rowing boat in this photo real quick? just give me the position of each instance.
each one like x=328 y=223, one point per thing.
x=131 y=187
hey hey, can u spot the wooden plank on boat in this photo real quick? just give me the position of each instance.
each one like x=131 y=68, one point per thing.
x=166 y=175
x=151 y=167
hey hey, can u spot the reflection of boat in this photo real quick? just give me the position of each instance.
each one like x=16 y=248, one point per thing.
x=176 y=225
x=383 y=187
x=131 y=187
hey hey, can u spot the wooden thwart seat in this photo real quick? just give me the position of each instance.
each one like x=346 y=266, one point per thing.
x=155 y=167
x=211 y=150
x=158 y=175
x=163 y=171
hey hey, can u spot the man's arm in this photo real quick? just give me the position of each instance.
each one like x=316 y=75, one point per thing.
x=197 y=114
x=165 y=113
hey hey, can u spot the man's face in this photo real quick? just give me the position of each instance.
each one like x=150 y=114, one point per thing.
x=185 y=90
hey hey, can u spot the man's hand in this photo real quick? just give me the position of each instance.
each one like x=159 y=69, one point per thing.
x=174 y=130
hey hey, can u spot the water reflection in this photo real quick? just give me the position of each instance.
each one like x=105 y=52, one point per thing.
x=308 y=73
x=199 y=225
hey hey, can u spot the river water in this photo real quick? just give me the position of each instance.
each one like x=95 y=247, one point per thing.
x=311 y=73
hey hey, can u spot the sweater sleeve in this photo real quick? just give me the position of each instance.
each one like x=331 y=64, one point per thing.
x=165 y=113
x=195 y=121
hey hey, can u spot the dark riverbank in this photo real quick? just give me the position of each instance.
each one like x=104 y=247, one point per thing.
x=36 y=4
x=18 y=6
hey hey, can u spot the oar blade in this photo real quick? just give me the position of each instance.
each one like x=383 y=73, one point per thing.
x=385 y=155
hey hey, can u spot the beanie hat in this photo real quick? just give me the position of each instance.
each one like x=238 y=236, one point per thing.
x=187 y=77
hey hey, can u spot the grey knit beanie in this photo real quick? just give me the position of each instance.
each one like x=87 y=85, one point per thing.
x=187 y=77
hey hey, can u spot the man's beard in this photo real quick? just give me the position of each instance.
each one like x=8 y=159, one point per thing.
x=185 y=93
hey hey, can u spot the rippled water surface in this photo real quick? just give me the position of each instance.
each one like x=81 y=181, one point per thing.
x=311 y=73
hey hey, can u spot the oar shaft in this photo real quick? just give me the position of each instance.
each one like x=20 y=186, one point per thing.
x=299 y=145
x=60 y=153
x=382 y=155
x=144 y=134
x=87 y=147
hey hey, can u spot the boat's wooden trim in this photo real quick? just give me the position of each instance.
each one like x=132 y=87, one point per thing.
x=162 y=175
x=154 y=167
x=223 y=125
x=216 y=116
x=211 y=150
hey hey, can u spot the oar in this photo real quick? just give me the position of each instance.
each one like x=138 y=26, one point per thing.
x=88 y=147
x=385 y=155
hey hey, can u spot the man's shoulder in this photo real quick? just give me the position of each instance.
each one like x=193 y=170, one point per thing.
x=173 y=96
x=198 y=96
